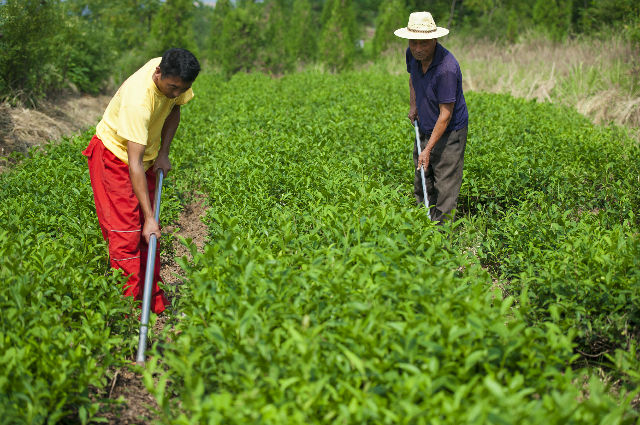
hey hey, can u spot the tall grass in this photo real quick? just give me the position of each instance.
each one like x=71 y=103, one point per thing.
x=600 y=77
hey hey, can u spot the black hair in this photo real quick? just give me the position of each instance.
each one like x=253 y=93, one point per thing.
x=180 y=63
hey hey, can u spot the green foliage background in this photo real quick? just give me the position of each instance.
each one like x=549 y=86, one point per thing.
x=48 y=45
x=173 y=27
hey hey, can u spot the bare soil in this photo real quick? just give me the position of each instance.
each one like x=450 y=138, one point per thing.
x=189 y=225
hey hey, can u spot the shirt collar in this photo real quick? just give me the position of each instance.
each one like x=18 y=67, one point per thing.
x=438 y=55
x=156 y=90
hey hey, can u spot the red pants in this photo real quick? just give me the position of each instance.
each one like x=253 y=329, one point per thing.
x=121 y=220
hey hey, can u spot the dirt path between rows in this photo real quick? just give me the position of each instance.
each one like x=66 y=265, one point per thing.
x=189 y=225
x=139 y=405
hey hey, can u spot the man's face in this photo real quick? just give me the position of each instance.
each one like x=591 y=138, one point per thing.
x=422 y=49
x=170 y=86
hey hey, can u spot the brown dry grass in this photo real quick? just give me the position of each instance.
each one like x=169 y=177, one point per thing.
x=601 y=79
x=22 y=128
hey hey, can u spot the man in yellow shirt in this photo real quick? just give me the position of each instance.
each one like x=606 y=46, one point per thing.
x=132 y=141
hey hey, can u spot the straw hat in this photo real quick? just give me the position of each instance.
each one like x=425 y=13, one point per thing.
x=421 y=26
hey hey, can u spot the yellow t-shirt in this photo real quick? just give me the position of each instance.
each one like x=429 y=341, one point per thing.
x=137 y=113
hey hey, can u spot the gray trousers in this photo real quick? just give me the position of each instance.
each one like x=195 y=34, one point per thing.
x=443 y=176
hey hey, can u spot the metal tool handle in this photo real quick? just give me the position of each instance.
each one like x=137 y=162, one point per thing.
x=424 y=186
x=148 y=277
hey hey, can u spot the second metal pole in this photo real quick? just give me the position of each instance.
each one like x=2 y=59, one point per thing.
x=148 y=277
x=424 y=186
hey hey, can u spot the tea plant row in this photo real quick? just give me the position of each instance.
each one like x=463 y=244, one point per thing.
x=325 y=295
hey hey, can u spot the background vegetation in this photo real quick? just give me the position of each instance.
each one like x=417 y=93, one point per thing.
x=48 y=45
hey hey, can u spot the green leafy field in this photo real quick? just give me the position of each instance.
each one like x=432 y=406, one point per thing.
x=324 y=294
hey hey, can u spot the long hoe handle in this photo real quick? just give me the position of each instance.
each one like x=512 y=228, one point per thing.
x=148 y=277
x=424 y=186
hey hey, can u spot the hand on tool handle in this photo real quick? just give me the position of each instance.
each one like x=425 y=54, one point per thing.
x=162 y=162
x=423 y=158
x=150 y=227
x=423 y=155
x=135 y=152
x=413 y=114
x=163 y=165
x=424 y=183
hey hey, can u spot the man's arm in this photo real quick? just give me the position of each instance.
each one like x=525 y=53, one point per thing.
x=413 y=109
x=166 y=136
x=446 y=111
x=135 y=152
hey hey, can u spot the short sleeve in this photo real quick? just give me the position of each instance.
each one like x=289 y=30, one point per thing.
x=409 y=58
x=185 y=97
x=133 y=123
x=447 y=85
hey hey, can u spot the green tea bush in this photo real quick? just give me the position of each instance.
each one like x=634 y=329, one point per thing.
x=550 y=150
x=560 y=215
x=582 y=275
x=589 y=282
x=325 y=295
x=378 y=329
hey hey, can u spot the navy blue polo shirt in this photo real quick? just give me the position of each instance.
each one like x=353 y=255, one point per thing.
x=442 y=83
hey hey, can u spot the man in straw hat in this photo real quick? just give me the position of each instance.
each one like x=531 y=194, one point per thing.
x=437 y=102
